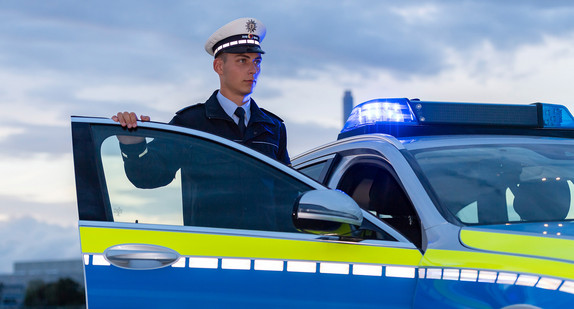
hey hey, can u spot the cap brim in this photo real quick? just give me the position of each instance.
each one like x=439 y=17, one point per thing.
x=242 y=49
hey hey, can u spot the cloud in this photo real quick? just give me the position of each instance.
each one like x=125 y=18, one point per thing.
x=164 y=42
x=39 y=181
x=27 y=239
x=64 y=57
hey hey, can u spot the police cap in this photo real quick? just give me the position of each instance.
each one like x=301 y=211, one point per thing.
x=242 y=35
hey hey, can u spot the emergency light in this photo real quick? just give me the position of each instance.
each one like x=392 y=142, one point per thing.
x=401 y=117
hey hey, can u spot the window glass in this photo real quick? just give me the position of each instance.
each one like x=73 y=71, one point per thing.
x=494 y=184
x=162 y=205
x=314 y=170
x=377 y=191
x=180 y=180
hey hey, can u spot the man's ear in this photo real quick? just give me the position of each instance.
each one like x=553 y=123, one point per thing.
x=218 y=65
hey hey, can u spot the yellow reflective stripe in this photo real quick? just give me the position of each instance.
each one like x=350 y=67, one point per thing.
x=497 y=262
x=555 y=248
x=96 y=240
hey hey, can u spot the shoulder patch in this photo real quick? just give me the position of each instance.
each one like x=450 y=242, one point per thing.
x=270 y=114
x=189 y=108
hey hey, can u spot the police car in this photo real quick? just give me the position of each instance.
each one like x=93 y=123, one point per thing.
x=482 y=191
x=445 y=206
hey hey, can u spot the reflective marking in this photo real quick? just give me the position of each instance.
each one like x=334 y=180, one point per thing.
x=450 y=274
x=567 y=287
x=232 y=43
x=243 y=264
x=421 y=273
x=271 y=265
x=367 y=270
x=455 y=274
x=179 y=263
x=266 y=143
x=487 y=276
x=468 y=275
x=302 y=267
x=527 y=280
x=99 y=260
x=400 y=271
x=506 y=278
x=143 y=153
x=548 y=283
x=334 y=268
x=201 y=262
x=434 y=273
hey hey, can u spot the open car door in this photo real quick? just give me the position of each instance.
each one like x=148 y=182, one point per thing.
x=182 y=218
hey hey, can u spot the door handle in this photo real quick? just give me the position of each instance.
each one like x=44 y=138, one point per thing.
x=140 y=256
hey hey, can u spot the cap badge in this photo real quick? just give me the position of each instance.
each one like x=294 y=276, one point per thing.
x=251 y=26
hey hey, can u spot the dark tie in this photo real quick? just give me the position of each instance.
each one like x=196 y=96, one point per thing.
x=240 y=112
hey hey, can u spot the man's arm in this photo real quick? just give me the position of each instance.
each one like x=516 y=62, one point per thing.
x=146 y=165
x=283 y=154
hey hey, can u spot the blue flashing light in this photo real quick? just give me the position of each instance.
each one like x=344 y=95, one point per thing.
x=396 y=111
x=556 y=116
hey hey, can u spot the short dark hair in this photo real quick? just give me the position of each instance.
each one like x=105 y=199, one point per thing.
x=223 y=56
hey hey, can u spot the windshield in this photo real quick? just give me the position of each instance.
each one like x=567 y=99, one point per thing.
x=496 y=184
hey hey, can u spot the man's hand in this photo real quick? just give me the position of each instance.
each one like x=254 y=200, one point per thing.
x=129 y=120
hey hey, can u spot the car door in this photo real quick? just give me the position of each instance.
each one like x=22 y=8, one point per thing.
x=183 y=218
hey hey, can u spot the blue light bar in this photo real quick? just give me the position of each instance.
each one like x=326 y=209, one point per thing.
x=401 y=117
x=556 y=116
x=391 y=111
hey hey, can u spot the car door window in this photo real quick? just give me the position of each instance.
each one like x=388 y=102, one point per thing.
x=314 y=170
x=376 y=190
x=181 y=180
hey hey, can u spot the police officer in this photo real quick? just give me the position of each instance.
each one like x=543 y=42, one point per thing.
x=230 y=112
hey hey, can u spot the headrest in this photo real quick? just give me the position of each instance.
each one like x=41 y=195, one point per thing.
x=542 y=200
x=387 y=197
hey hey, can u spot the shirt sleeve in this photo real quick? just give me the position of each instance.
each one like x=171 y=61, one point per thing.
x=150 y=165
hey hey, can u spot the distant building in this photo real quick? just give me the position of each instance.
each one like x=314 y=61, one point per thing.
x=13 y=286
x=347 y=105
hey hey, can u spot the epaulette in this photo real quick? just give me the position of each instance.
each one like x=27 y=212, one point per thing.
x=188 y=108
x=270 y=114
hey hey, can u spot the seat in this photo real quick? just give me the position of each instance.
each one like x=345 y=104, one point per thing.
x=491 y=207
x=542 y=200
x=391 y=204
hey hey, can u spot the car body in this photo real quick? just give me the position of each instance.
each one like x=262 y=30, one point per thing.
x=272 y=237
x=482 y=190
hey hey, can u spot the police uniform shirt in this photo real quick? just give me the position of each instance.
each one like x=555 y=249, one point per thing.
x=229 y=107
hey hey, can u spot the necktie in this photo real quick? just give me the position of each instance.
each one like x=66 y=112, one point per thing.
x=240 y=112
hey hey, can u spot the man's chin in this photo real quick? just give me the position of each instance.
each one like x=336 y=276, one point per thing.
x=248 y=91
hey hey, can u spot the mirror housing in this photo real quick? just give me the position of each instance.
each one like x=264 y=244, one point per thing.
x=325 y=212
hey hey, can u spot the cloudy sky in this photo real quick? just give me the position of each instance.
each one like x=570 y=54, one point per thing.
x=62 y=57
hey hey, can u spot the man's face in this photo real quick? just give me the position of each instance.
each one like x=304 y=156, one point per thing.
x=238 y=72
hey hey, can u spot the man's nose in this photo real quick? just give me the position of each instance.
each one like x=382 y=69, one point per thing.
x=254 y=68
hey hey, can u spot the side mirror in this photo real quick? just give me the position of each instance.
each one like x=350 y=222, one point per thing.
x=325 y=212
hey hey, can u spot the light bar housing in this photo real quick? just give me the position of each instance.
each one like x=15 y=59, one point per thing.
x=402 y=117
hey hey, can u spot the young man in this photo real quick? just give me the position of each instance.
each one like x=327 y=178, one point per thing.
x=213 y=182
x=230 y=112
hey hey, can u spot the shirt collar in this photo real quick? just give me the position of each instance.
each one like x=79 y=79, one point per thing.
x=229 y=107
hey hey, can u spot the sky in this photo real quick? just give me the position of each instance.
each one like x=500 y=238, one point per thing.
x=60 y=58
